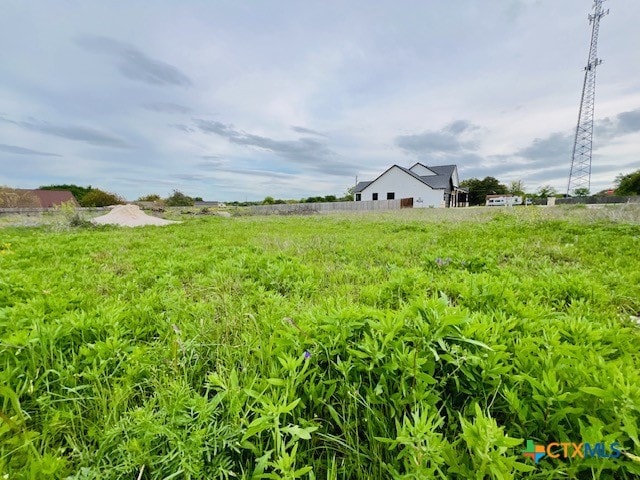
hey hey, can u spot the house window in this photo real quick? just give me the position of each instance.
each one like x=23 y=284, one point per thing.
x=374 y=196
x=358 y=197
x=391 y=195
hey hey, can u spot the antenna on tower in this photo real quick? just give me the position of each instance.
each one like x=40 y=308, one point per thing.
x=580 y=174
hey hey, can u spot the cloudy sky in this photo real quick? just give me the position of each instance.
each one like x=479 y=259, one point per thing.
x=235 y=100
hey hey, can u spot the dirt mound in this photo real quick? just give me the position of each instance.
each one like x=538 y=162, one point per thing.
x=129 y=216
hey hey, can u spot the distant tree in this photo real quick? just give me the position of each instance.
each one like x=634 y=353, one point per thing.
x=154 y=197
x=198 y=199
x=581 y=192
x=546 y=191
x=479 y=189
x=326 y=198
x=77 y=191
x=268 y=201
x=516 y=187
x=628 y=184
x=348 y=195
x=99 y=198
x=473 y=185
x=178 y=199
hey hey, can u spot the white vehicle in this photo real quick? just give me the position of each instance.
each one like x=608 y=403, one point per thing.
x=503 y=200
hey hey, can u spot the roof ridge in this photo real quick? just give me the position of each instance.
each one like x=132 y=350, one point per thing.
x=427 y=180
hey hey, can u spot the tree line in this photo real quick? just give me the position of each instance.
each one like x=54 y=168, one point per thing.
x=94 y=197
x=347 y=197
x=626 y=185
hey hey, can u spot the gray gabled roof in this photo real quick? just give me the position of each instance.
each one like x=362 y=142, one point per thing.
x=437 y=181
x=443 y=170
x=361 y=186
x=443 y=177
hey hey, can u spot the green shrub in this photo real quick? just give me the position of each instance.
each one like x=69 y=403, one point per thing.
x=154 y=197
x=379 y=346
x=179 y=199
x=99 y=198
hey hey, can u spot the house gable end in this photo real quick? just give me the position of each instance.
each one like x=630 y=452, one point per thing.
x=455 y=180
x=422 y=170
x=396 y=171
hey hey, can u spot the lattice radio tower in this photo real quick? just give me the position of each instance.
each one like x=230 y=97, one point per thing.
x=580 y=175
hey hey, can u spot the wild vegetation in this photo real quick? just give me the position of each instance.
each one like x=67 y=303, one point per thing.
x=628 y=184
x=100 y=198
x=178 y=199
x=411 y=344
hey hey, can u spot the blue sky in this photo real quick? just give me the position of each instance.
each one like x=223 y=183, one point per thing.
x=234 y=100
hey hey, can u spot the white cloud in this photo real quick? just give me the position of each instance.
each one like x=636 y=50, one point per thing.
x=362 y=74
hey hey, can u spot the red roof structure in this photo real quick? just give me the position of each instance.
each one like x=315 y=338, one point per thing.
x=53 y=198
x=25 y=198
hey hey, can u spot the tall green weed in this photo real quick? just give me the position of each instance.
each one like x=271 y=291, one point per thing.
x=331 y=347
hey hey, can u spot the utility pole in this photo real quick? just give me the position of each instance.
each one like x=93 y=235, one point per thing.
x=580 y=174
x=354 y=189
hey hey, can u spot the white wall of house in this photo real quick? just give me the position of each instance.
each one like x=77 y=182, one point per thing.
x=454 y=178
x=421 y=170
x=403 y=185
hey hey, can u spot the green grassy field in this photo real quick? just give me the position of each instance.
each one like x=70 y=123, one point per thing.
x=408 y=344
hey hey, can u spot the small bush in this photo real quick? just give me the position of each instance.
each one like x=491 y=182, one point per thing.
x=72 y=216
x=179 y=199
x=154 y=197
x=100 y=198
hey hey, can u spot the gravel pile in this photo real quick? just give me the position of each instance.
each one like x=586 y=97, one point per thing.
x=129 y=216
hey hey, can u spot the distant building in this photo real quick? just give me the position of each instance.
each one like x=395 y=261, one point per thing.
x=54 y=198
x=203 y=203
x=25 y=198
x=436 y=186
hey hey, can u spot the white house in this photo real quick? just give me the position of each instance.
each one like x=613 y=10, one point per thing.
x=437 y=186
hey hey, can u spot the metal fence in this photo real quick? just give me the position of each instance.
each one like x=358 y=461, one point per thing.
x=310 y=208
x=596 y=200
